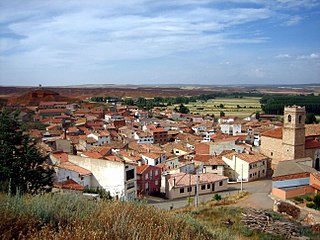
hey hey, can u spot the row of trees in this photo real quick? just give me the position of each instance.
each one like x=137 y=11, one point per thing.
x=274 y=104
x=22 y=167
x=148 y=104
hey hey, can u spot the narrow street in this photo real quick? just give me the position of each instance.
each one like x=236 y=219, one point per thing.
x=258 y=198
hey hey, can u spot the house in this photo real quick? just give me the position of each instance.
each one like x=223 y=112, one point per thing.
x=101 y=137
x=246 y=166
x=110 y=173
x=182 y=185
x=148 y=179
x=153 y=159
x=67 y=170
x=68 y=186
x=219 y=145
x=143 y=137
x=295 y=178
x=231 y=128
x=160 y=135
x=210 y=164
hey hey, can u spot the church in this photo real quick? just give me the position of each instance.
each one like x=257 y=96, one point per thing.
x=294 y=140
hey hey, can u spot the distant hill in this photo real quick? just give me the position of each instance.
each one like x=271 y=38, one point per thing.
x=34 y=97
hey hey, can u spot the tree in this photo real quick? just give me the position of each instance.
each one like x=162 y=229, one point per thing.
x=22 y=168
x=310 y=118
x=222 y=114
x=182 y=109
x=257 y=115
x=221 y=105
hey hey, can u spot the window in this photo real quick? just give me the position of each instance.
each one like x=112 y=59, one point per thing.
x=181 y=190
x=156 y=173
x=250 y=175
x=214 y=167
x=156 y=182
x=263 y=162
x=289 y=118
x=130 y=185
x=147 y=186
x=262 y=171
x=189 y=189
x=220 y=183
x=130 y=174
x=203 y=187
x=208 y=186
x=300 y=117
x=271 y=154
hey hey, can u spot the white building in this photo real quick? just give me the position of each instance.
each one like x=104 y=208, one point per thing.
x=230 y=128
x=67 y=170
x=153 y=159
x=248 y=166
x=143 y=137
x=101 y=137
x=112 y=174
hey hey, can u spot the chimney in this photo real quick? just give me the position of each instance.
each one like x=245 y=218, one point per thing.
x=174 y=182
x=65 y=134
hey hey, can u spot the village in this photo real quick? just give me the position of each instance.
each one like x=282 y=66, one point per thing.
x=132 y=153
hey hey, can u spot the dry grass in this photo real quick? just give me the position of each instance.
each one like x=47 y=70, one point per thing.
x=72 y=217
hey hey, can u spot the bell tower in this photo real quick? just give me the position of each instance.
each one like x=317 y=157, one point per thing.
x=293 y=136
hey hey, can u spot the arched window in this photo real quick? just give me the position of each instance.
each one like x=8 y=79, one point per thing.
x=289 y=118
x=300 y=117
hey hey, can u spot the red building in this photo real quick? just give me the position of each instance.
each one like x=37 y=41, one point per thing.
x=160 y=135
x=148 y=179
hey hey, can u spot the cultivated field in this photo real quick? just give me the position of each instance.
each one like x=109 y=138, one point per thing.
x=241 y=107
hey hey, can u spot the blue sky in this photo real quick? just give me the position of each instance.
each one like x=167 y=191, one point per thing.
x=68 y=42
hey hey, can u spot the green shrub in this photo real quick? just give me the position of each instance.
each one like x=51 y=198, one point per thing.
x=311 y=205
x=308 y=198
x=217 y=197
x=316 y=201
x=298 y=199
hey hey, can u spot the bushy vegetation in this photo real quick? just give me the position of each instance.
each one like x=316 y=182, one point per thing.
x=73 y=217
x=22 y=167
x=315 y=202
x=274 y=104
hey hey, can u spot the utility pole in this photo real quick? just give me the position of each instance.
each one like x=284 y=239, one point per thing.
x=197 y=189
x=241 y=177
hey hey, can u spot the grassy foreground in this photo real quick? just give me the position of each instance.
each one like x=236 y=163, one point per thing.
x=55 y=216
x=71 y=217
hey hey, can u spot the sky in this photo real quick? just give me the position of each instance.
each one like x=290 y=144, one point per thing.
x=209 y=42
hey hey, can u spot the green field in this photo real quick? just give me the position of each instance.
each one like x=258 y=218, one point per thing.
x=248 y=106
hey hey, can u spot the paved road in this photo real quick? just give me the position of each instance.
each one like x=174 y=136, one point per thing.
x=258 y=198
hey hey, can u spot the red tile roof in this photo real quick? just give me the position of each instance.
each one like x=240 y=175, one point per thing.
x=274 y=133
x=75 y=168
x=95 y=155
x=69 y=184
x=312 y=144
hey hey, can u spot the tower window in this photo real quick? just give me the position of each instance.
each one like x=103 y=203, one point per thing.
x=289 y=118
x=300 y=119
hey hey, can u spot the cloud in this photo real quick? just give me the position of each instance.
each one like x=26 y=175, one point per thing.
x=310 y=56
x=283 y=56
x=293 y=20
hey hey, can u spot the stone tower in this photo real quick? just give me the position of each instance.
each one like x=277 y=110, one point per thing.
x=293 y=136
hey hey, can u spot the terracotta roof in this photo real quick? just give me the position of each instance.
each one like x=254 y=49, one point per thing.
x=113 y=158
x=184 y=179
x=274 y=133
x=63 y=157
x=251 y=158
x=142 y=168
x=312 y=130
x=208 y=159
x=69 y=184
x=312 y=144
x=95 y=155
x=151 y=155
x=75 y=168
x=159 y=130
